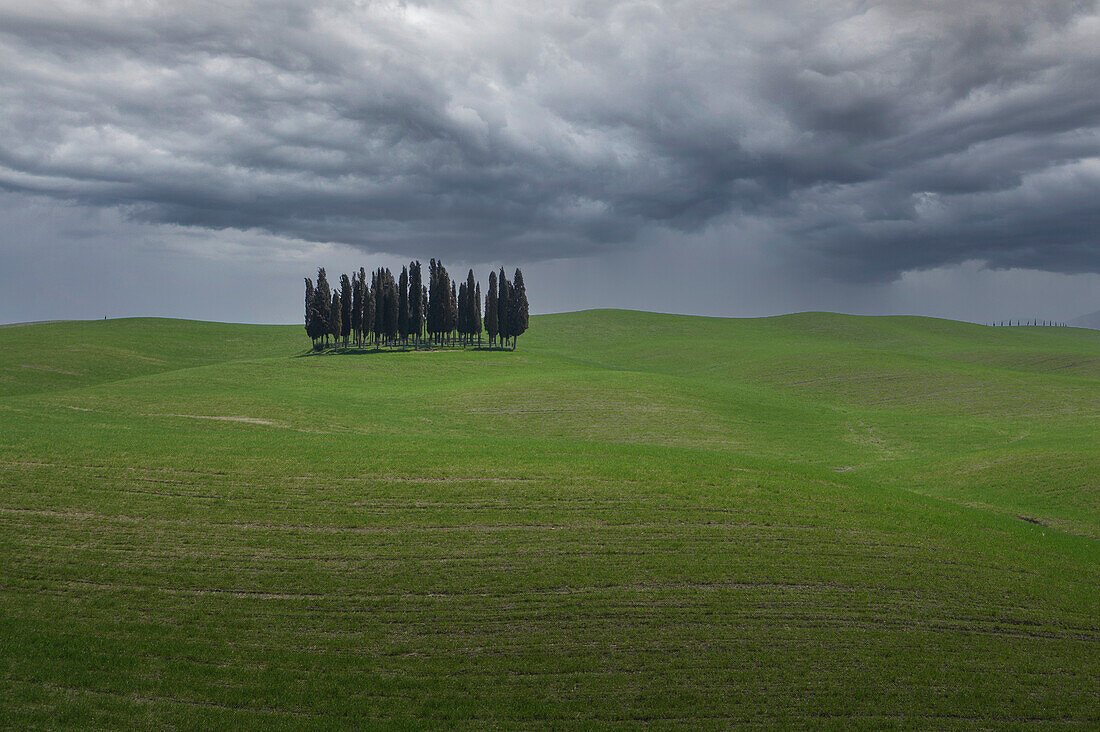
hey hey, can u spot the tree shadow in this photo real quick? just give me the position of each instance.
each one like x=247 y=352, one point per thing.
x=383 y=350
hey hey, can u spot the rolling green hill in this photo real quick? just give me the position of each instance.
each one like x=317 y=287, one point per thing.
x=810 y=520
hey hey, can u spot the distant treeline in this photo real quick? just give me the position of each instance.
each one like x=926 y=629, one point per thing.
x=385 y=312
x=1029 y=323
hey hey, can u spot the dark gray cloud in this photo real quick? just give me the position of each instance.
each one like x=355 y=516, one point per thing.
x=861 y=140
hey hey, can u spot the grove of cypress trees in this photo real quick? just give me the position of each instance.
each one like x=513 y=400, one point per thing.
x=519 y=314
x=491 y=309
x=388 y=310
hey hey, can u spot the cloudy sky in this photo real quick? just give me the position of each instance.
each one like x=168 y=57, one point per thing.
x=729 y=157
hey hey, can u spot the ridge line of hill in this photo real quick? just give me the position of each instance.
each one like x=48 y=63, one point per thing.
x=73 y=354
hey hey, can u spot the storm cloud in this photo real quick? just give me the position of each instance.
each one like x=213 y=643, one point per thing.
x=858 y=139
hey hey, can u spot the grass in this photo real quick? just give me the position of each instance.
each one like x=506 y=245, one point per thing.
x=813 y=520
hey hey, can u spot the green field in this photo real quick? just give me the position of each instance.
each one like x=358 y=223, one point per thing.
x=810 y=520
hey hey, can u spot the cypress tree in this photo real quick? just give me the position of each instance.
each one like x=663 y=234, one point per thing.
x=452 y=313
x=310 y=320
x=368 y=308
x=379 y=306
x=469 y=307
x=463 y=315
x=519 y=314
x=440 y=312
x=491 y=309
x=403 y=305
x=477 y=312
x=345 y=308
x=434 y=316
x=390 y=323
x=356 y=307
x=424 y=299
x=444 y=302
x=322 y=299
x=504 y=308
x=334 y=325
x=416 y=312
x=364 y=306
x=364 y=293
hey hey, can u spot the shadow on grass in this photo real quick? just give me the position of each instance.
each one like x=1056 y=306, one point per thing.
x=385 y=350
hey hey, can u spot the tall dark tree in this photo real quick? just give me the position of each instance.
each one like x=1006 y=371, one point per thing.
x=380 y=306
x=477 y=313
x=368 y=309
x=519 y=314
x=424 y=300
x=440 y=313
x=491 y=309
x=452 y=312
x=403 y=305
x=311 y=321
x=468 y=308
x=345 y=308
x=365 y=312
x=471 y=322
x=363 y=306
x=334 y=325
x=435 y=306
x=322 y=303
x=390 y=323
x=416 y=312
x=463 y=323
x=356 y=307
x=504 y=308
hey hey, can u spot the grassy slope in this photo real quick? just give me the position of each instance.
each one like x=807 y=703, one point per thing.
x=807 y=519
x=72 y=354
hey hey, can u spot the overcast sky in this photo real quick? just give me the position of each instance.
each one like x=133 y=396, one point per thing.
x=197 y=159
